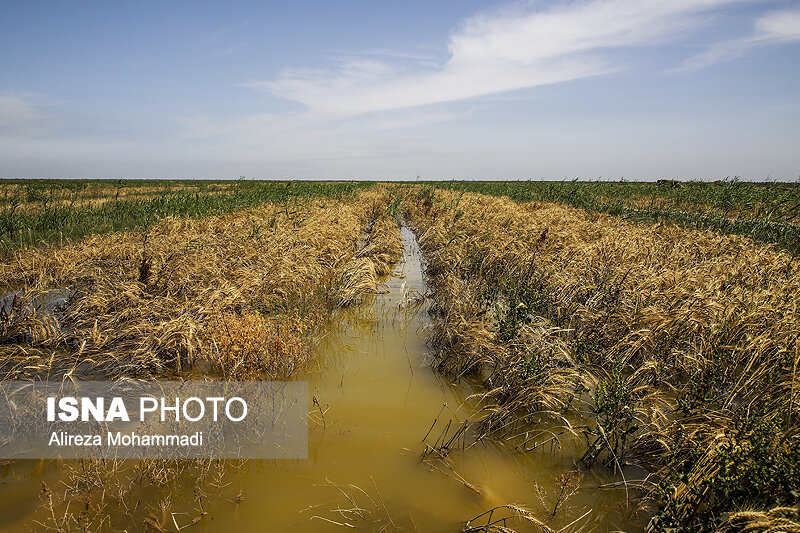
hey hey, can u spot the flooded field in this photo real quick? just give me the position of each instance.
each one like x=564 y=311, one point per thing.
x=376 y=405
x=542 y=368
x=376 y=398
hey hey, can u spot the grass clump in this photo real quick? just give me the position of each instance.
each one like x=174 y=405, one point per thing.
x=249 y=345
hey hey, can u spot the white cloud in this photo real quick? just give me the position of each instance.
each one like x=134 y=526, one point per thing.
x=776 y=27
x=517 y=48
x=779 y=26
x=369 y=113
x=18 y=111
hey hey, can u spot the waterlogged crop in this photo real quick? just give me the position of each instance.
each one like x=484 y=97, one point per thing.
x=768 y=212
x=34 y=212
x=188 y=291
x=654 y=361
x=664 y=356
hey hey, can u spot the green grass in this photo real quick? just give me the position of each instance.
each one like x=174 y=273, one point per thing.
x=768 y=212
x=60 y=221
x=35 y=212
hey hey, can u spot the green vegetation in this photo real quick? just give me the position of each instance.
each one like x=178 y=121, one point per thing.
x=768 y=212
x=35 y=212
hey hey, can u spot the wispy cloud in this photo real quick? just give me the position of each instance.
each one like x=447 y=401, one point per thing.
x=776 y=27
x=229 y=49
x=380 y=112
x=516 y=48
x=25 y=113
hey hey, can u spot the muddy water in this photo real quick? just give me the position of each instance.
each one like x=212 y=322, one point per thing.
x=374 y=401
x=375 y=398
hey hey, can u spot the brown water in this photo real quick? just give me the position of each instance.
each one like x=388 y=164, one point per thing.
x=375 y=398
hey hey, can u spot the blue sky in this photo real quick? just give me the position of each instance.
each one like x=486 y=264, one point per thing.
x=635 y=89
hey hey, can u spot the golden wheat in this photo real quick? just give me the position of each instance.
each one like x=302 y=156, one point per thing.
x=664 y=346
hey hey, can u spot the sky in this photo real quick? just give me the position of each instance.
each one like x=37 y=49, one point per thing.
x=452 y=89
